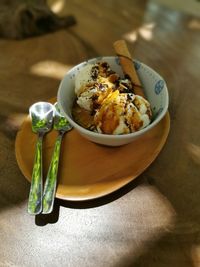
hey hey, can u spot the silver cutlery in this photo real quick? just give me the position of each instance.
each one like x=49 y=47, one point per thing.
x=41 y=114
x=62 y=125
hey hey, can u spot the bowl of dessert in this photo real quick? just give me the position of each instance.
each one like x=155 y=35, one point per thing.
x=113 y=100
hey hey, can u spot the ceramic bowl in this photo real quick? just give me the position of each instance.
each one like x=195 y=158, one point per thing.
x=154 y=87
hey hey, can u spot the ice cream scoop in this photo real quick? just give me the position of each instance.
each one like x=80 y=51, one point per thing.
x=83 y=78
x=122 y=113
x=92 y=84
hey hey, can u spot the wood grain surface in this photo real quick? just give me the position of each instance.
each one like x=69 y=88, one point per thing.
x=152 y=221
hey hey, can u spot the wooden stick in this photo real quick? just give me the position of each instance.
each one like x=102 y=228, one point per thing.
x=127 y=65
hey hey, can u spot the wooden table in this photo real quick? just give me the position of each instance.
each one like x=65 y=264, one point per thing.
x=154 y=220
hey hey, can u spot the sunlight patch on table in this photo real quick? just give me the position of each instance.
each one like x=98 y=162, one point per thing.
x=51 y=69
x=195 y=253
x=194 y=152
x=14 y=121
x=56 y=6
x=152 y=216
x=145 y=32
x=194 y=24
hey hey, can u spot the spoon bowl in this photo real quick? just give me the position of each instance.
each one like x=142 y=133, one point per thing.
x=60 y=121
x=41 y=114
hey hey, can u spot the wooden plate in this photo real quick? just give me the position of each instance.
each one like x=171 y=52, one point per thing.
x=88 y=170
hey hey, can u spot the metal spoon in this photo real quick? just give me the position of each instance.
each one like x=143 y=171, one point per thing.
x=62 y=125
x=42 y=119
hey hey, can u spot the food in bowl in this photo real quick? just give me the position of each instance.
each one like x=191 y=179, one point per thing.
x=106 y=103
x=146 y=83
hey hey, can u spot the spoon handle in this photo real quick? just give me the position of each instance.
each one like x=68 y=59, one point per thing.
x=35 y=195
x=51 y=180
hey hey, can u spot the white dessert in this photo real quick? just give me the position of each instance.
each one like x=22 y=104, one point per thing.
x=116 y=109
x=122 y=113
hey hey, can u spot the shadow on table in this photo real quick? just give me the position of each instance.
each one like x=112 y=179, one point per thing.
x=44 y=219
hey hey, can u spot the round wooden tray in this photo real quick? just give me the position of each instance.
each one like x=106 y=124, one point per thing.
x=88 y=170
